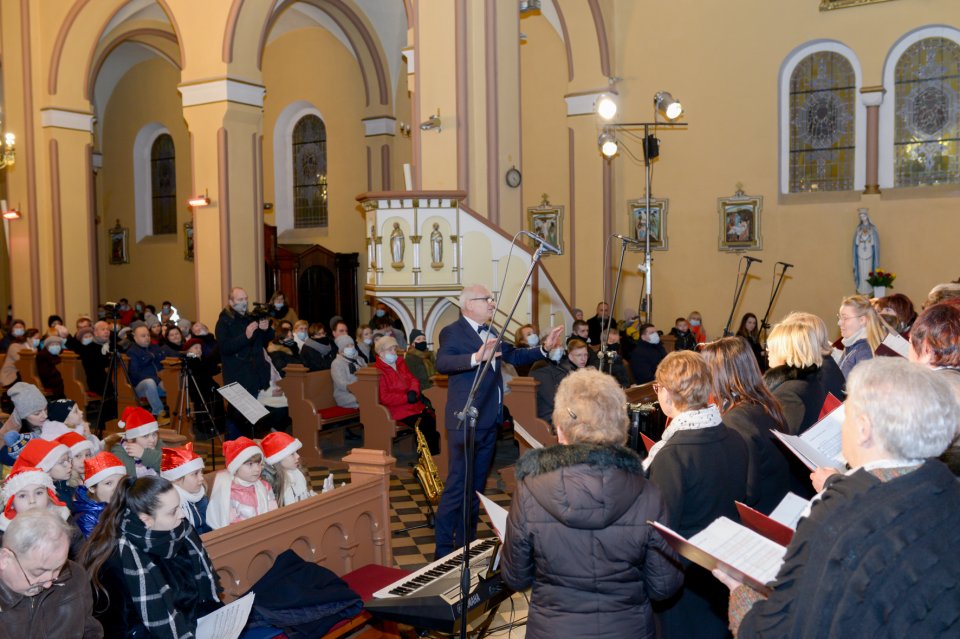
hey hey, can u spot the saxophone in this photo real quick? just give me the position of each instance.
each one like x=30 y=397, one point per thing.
x=426 y=470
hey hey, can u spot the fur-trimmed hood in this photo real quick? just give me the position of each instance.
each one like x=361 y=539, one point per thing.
x=780 y=374
x=583 y=485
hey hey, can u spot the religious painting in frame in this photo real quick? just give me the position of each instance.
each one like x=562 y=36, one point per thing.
x=546 y=220
x=827 y=5
x=656 y=222
x=188 y=241
x=740 y=221
x=119 y=244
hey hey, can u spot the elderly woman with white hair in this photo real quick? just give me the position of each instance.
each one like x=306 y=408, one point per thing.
x=578 y=528
x=877 y=554
x=400 y=393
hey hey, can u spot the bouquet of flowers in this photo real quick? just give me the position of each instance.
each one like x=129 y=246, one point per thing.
x=880 y=277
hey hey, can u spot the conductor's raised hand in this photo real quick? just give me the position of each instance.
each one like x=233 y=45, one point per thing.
x=486 y=351
x=553 y=338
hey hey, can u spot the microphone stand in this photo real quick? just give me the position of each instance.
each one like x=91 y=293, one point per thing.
x=738 y=290
x=602 y=355
x=468 y=417
x=763 y=324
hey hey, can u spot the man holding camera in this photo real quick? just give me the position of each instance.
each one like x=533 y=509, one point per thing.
x=243 y=339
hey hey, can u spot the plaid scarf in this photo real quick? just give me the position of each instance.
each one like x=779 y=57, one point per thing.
x=153 y=596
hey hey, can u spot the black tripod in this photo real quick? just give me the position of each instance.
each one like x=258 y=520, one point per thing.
x=185 y=409
x=113 y=374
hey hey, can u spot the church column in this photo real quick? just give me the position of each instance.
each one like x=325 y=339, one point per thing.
x=225 y=119
x=872 y=98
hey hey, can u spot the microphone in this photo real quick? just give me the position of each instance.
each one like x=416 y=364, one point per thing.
x=752 y=259
x=547 y=246
x=628 y=240
x=786 y=265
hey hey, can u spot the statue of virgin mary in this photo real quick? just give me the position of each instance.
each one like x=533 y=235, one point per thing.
x=866 y=252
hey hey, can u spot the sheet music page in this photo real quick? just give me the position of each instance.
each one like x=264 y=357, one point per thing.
x=825 y=436
x=896 y=343
x=789 y=510
x=496 y=513
x=810 y=456
x=244 y=402
x=227 y=622
x=527 y=437
x=745 y=550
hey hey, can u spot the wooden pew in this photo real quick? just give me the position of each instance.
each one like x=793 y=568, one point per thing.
x=314 y=412
x=522 y=402
x=341 y=530
x=641 y=394
x=437 y=394
x=27 y=367
x=74 y=378
x=379 y=428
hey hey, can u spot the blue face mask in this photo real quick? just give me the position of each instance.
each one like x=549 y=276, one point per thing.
x=389 y=358
x=35 y=342
x=17 y=332
x=54 y=349
x=557 y=354
x=380 y=312
x=86 y=340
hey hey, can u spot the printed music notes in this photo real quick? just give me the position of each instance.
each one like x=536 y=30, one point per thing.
x=819 y=447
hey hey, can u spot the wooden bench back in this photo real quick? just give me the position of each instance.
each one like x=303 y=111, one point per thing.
x=74 y=378
x=27 y=367
x=379 y=429
x=308 y=392
x=522 y=402
x=437 y=394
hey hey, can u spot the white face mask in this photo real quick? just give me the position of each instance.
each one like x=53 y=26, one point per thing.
x=301 y=335
x=350 y=352
x=86 y=341
x=54 y=349
x=653 y=338
x=389 y=358
x=240 y=307
x=694 y=322
x=533 y=339
x=35 y=342
x=556 y=354
x=368 y=341
x=278 y=305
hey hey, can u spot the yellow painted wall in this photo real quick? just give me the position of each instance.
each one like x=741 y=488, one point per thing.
x=157 y=270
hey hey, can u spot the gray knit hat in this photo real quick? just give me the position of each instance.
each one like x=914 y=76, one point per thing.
x=27 y=399
x=343 y=341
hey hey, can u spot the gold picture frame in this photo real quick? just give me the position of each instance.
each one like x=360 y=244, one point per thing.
x=119 y=237
x=546 y=220
x=829 y=5
x=657 y=223
x=740 y=221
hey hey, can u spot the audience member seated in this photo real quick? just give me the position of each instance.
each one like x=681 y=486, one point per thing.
x=102 y=474
x=941 y=293
x=749 y=408
x=72 y=342
x=525 y=337
x=151 y=575
x=861 y=331
x=26 y=421
x=146 y=360
x=125 y=314
x=875 y=556
x=700 y=467
x=29 y=488
x=629 y=332
x=597 y=323
x=42 y=592
x=400 y=393
x=585 y=494
x=750 y=330
x=343 y=372
x=210 y=347
x=301 y=331
x=172 y=344
x=155 y=328
x=282 y=349
x=55 y=327
x=184 y=469
x=578 y=314
x=138 y=447
x=279 y=309
x=239 y=492
x=317 y=353
x=695 y=319
x=647 y=355
x=282 y=470
x=364 y=343
x=555 y=369
x=795 y=356
x=54 y=459
x=81 y=449
x=581 y=331
x=48 y=361
x=64 y=416
x=615 y=362
x=898 y=312
x=168 y=313
x=421 y=362
x=685 y=339
x=384 y=317
x=21 y=338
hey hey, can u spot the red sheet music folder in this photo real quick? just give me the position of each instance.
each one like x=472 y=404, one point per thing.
x=769 y=528
x=830 y=404
x=647 y=442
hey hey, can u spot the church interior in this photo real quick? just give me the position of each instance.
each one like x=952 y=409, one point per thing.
x=356 y=152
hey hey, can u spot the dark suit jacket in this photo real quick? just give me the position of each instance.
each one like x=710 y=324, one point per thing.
x=458 y=341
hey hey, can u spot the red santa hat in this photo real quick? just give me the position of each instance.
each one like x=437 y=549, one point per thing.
x=21 y=477
x=239 y=450
x=43 y=454
x=137 y=422
x=101 y=466
x=76 y=442
x=179 y=462
x=278 y=445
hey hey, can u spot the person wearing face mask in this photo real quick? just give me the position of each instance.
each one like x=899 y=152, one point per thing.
x=400 y=393
x=279 y=311
x=615 y=362
x=343 y=372
x=685 y=339
x=48 y=360
x=526 y=337
x=647 y=355
x=18 y=341
x=696 y=327
x=242 y=342
x=557 y=368
x=420 y=360
x=318 y=350
x=364 y=342
x=168 y=313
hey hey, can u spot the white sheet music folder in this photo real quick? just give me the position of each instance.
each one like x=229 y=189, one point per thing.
x=819 y=447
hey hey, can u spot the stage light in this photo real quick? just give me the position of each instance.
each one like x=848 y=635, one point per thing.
x=11 y=214
x=667 y=105
x=606 y=107
x=608 y=144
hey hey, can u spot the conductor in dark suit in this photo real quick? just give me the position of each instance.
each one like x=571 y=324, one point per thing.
x=464 y=346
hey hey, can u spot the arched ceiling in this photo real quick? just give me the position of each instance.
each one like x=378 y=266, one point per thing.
x=136 y=10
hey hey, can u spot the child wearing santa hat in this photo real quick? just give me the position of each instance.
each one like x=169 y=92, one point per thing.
x=238 y=492
x=102 y=473
x=290 y=484
x=81 y=449
x=184 y=469
x=139 y=450
x=28 y=488
x=52 y=458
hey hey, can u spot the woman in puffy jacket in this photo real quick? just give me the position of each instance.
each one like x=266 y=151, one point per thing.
x=400 y=393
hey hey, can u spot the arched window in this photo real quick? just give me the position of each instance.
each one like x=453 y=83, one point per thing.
x=163 y=185
x=822 y=108
x=926 y=124
x=309 y=173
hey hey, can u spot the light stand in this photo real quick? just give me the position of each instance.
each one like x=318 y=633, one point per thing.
x=738 y=289
x=604 y=357
x=467 y=418
x=776 y=289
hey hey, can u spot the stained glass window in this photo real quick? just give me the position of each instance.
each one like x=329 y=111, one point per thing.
x=309 y=173
x=163 y=185
x=822 y=133
x=927 y=127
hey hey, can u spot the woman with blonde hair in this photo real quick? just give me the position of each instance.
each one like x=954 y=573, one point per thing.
x=796 y=356
x=861 y=331
x=830 y=374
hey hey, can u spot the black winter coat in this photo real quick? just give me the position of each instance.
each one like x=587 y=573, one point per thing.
x=801 y=393
x=832 y=377
x=578 y=534
x=768 y=474
x=549 y=375
x=644 y=361
x=243 y=358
